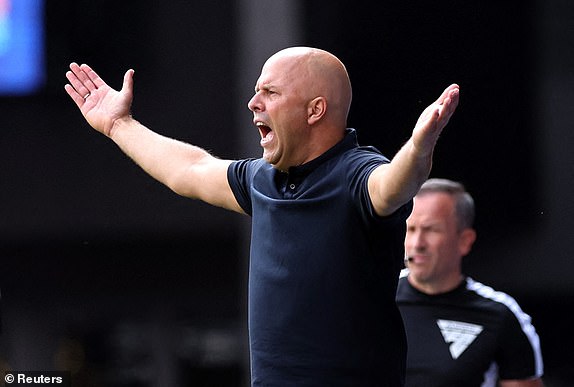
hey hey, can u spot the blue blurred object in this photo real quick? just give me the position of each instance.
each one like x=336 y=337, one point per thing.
x=22 y=69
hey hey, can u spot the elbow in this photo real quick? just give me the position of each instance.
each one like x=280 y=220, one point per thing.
x=179 y=183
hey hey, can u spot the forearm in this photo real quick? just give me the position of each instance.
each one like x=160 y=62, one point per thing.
x=394 y=184
x=163 y=158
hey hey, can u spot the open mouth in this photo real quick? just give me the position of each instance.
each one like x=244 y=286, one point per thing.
x=264 y=130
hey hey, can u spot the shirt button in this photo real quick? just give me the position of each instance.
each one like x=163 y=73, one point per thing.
x=292 y=186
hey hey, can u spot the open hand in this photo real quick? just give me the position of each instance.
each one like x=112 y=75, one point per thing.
x=434 y=118
x=100 y=105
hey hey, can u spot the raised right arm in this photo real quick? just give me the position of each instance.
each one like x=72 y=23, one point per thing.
x=186 y=169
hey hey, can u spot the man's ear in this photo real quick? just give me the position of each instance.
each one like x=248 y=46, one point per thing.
x=316 y=109
x=466 y=240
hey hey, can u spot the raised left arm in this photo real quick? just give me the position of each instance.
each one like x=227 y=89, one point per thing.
x=392 y=185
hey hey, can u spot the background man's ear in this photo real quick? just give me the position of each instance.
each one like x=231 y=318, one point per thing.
x=467 y=238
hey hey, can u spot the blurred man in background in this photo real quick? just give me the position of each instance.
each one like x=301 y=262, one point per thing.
x=459 y=331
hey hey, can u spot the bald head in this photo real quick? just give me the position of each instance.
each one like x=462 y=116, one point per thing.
x=319 y=73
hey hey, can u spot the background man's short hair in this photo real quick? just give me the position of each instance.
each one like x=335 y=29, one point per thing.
x=464 y=203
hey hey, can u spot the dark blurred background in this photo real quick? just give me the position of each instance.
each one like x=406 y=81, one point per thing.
x=109 y=274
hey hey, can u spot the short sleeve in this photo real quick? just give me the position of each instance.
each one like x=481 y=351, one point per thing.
x=518 y=356
x=363 y=163
x=240 y=177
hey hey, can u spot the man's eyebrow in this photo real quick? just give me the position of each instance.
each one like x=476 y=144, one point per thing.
x=263 y=86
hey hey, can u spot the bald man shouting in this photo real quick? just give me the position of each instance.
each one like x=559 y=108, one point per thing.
x=328 y=216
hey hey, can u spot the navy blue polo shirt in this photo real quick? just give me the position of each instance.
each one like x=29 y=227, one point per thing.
x=323 y=272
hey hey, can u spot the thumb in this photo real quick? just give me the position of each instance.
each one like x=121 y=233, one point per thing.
x=128 y=84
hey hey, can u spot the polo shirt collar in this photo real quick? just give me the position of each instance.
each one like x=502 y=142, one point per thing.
x=347 y=143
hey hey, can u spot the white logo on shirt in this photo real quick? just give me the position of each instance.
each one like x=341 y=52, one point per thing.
x=458 y=334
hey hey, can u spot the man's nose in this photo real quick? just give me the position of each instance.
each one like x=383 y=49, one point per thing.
x=254 y=104
x=415 y=240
